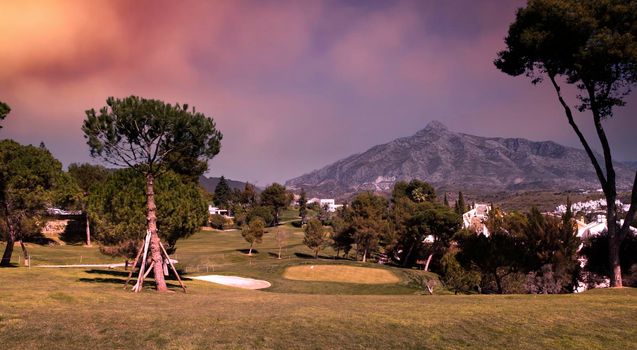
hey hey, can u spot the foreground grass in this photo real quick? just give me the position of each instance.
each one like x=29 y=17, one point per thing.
x=70 y=309
x=80 y=308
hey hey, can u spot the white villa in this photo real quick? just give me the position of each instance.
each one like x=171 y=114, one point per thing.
x=329 y=204
x=474 y=219
x=216 y=211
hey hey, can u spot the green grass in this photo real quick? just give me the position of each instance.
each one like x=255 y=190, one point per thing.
x=79 y=308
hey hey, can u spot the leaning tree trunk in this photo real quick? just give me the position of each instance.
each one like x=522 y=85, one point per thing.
x=27 y=258
x=428 y=261
x=8 y=250
x=155 y=250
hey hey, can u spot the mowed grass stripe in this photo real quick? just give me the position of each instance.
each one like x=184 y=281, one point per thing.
x=340 y=273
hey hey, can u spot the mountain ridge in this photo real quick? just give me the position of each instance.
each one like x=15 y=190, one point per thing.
x=458 y=161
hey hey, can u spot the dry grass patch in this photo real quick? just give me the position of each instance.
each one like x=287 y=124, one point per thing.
x=340 y=273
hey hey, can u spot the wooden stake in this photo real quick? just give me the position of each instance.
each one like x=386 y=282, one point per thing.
x=139 y=252
x=140 y=277
x=173 y=267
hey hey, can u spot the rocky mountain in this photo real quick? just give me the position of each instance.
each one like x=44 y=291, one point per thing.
x=456 y=161
x=209 y=183
x=632 y=165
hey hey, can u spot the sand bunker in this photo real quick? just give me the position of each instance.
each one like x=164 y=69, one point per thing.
x=234 y=281
x=340 y=273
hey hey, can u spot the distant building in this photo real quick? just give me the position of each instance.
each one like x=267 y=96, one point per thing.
x=216 y=211
x=329 y=204
x=475 y=218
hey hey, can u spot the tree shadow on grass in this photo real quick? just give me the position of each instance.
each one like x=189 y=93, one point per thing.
x=119 y=277
x=246 y=251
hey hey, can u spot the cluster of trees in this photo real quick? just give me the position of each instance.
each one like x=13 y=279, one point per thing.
x=248 y=204
x=530 y=252
x=158 y=147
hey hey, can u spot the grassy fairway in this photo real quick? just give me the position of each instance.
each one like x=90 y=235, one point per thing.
x=80 y=308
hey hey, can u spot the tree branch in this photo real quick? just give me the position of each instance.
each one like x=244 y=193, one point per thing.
x=630 y=215
x=601 y=134
x=571 y=121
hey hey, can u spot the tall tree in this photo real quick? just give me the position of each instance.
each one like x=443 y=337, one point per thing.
x=303 y=206
x=223 y=193
x=249 y=195
x=591 y=45
x=28 y=177
x=87 y=176
x=460 y=207
x=315 y=237
x=369 y=222
x=4 y=111
x=253 y=232
x=151 y=136
x=276 y=197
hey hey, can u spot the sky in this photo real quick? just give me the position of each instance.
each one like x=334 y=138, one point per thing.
x=292 y=85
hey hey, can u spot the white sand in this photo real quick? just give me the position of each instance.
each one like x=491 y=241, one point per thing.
x=235 y=281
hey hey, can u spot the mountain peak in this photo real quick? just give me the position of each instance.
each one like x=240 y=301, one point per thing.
x=433 y=126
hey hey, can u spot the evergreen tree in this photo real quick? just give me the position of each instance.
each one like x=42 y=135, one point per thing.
x=223 y=193
x=460 y=205
x=151 y=136
x=591 y=46
x=315 y=237
x=303 y=207
x=29 y=177
x=276 y=197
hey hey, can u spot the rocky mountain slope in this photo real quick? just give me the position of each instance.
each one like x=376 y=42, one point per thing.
x=456 y=161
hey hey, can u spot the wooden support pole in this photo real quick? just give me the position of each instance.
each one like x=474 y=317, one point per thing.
x=172 y=266
x=130 y=274
x=140 y=277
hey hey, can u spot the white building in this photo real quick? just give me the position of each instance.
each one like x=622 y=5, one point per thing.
x=216 y=211
x=476 y=217
x=330 y=205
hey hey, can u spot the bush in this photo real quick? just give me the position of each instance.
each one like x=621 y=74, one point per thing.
x=217 y=221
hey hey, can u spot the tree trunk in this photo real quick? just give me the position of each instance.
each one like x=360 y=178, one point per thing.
x=316 y=254
x=411 y=249
x=88 y=230
x=155 y=250
x=498 y=282
x=279 y=252
x=27 y=259
x=250 y=252
x=428 y=261
x=365 y=255
x=614 y=243
x=8 y=250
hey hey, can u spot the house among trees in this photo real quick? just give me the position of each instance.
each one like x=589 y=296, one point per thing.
x=475 y=218
x=217 y=211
